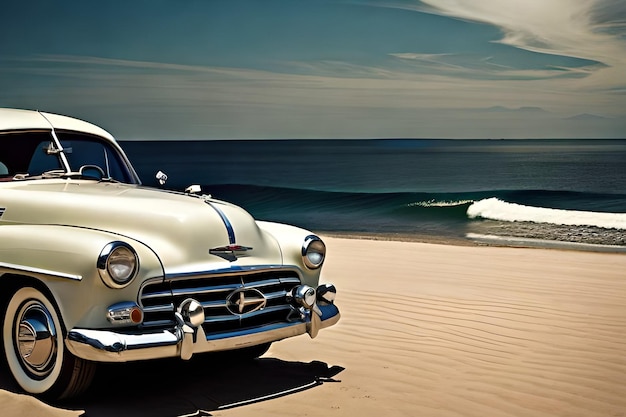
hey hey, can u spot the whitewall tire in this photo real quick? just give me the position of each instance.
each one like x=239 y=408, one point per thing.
x=35 y=350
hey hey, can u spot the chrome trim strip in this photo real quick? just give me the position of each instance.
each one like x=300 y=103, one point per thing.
x=159 y=294
x=230 y=287
x=166 y=308
x=275 y=281
x=232 y=270
x=276 y=295
x=214 y=304
x=159 y=324
x=46 y=272
x=222 y=319
x=206 y=290
x=229 y=227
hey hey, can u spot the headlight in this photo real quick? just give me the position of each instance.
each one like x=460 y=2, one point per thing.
x=313 y=252
x=117 y=264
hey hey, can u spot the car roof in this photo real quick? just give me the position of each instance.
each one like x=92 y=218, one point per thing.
x=17 y=119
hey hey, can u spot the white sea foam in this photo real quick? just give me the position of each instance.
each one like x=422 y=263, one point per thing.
x=437 y=203
x=495 y=209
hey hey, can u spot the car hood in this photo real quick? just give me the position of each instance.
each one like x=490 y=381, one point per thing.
x=181 y=229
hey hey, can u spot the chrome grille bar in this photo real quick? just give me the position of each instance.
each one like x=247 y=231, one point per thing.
x=159 y=309
x=206 y=290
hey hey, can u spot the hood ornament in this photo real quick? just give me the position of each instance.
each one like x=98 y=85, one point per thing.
x=229 y=252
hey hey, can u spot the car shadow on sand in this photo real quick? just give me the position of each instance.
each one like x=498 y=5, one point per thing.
x=191 y=388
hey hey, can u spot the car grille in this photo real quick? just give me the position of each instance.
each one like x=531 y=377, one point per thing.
x=159 y=300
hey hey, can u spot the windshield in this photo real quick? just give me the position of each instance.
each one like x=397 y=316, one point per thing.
x=34 y=155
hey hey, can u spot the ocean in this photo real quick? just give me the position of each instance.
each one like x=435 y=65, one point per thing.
x=546 y=193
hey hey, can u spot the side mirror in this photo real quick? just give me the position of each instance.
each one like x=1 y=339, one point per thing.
x=161 y=177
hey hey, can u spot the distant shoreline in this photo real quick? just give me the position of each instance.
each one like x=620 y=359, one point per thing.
x=475 y=241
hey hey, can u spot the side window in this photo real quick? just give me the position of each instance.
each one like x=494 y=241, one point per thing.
x=24 y=153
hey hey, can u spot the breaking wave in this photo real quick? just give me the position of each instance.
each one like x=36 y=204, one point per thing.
x=496 y=209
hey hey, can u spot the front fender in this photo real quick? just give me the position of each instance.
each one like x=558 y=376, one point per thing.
x=64 y=259
x=291 y=239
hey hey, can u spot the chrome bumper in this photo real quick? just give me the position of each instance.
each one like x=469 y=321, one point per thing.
x=184 y=340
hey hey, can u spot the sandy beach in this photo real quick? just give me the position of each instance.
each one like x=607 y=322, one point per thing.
x=426 y=330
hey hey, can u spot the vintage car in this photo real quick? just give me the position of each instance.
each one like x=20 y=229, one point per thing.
x=95 y=267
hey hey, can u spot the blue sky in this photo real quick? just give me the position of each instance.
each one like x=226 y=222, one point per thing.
x=212 y=69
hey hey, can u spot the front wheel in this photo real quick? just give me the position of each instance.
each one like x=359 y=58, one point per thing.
x=35 y=350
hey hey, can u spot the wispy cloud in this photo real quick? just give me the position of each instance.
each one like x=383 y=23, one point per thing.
x=477 y=67
x=587 y=29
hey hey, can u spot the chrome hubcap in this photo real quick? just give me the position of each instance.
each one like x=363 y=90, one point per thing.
x=36 y=339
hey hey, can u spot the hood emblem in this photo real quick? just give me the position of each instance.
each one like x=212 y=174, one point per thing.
x=229 y=252
x=245 y=300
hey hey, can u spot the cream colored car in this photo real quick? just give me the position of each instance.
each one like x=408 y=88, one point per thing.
x=94 y=267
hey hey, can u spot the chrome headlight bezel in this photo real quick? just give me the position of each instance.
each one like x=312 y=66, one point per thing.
x=118 y=264
x=313 y=252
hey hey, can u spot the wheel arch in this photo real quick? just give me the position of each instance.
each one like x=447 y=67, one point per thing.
x=10 y=283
